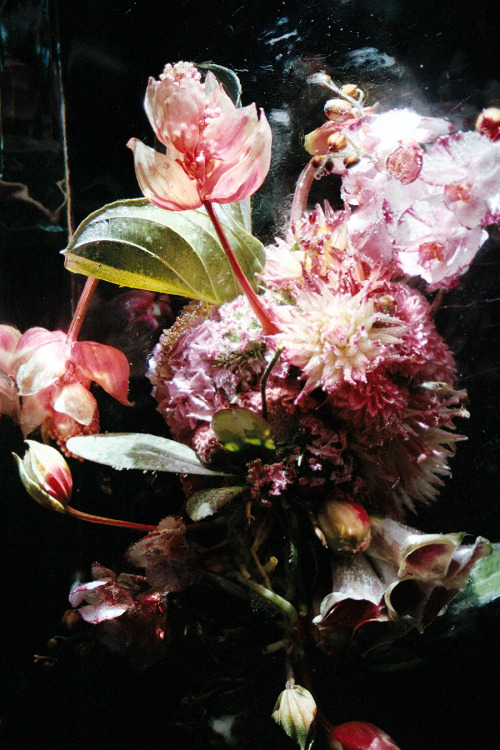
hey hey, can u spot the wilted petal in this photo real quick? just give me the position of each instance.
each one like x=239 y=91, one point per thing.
x=107 y=366
x=162 y=180
x=9 y=338
x=78 y=593
x=36 y=337
x=96 y=613
x=77 y=402
x=45 y=365
x=34 y=411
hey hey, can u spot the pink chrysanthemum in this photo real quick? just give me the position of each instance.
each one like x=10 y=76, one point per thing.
x=335 y=338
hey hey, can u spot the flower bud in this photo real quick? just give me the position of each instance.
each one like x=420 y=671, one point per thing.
x=336 y=142
x=294 y=711
x=338 y=109
x=350 y=89
x=488 y=123
x=46 y=476
x=359 y=735
x=346 y=526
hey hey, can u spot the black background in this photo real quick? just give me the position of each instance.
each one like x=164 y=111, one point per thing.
x=445 y=61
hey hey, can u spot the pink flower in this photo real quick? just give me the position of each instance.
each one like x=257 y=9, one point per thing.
x=334 y=338
x=9 y=399
x=53 y=377
x=402 y=581
x=359 y=735
x=215 y=152
x=107 y=596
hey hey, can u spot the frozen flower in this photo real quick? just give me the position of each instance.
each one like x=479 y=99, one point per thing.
x=46 y=476
x=359 y=735
x=9 y=399
x=129 y=615
x=467 y=166
x=53 y=377
x=381 y=136
x=335 y=338
x=215 y=151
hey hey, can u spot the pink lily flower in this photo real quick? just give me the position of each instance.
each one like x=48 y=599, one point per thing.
x=53 y=377
x=215 y=151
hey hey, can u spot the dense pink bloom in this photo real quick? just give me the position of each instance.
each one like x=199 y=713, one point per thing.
x=215 y=151
x=53 y=377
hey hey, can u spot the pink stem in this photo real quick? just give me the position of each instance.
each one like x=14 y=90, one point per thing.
x=81 y=309
x=91 y=518
x=267 y=325
x=108 y=521
x=302 y=190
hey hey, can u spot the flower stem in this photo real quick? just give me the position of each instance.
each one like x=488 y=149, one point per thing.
x=312 y=171
x=108 y=521
x=267 y=325
x=81 y=309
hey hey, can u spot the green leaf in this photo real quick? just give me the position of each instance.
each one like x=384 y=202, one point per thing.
x=483 y=585
x=242 y=430
x=133 y=243
x=207 y=502
x=136 y=450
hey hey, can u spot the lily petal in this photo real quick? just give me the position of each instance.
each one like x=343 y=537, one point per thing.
x=105 y=365
x=43 y=367
x=77 y=402
x=162 y=180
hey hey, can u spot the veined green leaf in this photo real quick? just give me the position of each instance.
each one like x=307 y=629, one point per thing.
x=136 y=450
x=133 y=243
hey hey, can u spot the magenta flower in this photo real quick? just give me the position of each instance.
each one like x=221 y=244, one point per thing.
x=359 y=735
x=215 y=152
x=53 y=377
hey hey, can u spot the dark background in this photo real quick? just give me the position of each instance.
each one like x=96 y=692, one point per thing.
x=96 y=57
